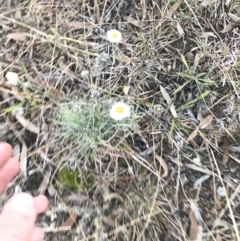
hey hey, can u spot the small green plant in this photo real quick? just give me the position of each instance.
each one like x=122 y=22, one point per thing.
x=88 y=125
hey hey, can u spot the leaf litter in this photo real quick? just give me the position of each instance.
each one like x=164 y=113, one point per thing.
x=196 y=229
x=202 y=125
x=169 y=101
x=23 y=160
x=164 y=166
x=170 y=79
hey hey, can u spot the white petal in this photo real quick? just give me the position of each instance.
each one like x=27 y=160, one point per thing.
x=111 y=38
x=118 y=116
x=12 y=78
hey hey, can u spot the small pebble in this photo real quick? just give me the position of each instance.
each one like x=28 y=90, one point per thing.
x=221 y=192
x=51 y=192
x=84 y=73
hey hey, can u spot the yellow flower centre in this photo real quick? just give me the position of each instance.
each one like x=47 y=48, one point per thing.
x=119 y=109
x=115 y=35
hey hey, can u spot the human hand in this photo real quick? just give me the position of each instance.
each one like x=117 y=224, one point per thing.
x=17 y=219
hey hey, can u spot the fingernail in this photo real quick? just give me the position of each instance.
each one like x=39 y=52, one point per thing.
x=22 y=203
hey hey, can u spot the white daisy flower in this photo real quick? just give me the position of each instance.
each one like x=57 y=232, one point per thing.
x=114 y=36
x=12 y=78
x=119 y=111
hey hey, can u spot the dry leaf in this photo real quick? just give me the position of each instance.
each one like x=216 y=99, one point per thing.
x=109 y=221
x=163 y=164
x=199 y=169
x=184 y=61
x=193 y=135
x=229 y=182
x=228 y=27
x=195 y=233
x=16 y=36
x=173 y=8
x=27 y=124
x=114 y=195
x=218 y=203
x=169 y=101
x=194 y=226
x=23 y=160
x=195 y=65
x=144 y=9
x=225 y=150
x=218 y=237
x=16 y=151
x=216 y=199
x=78 y=25
x=66 y=69
x=234 y=148
x=180 y=29
x=18 y=14
x=67 y=225
x=234 y=17
x=205 y=122
x=221 y=223
x=46 y=178
x=200 y=180
x=134 y=21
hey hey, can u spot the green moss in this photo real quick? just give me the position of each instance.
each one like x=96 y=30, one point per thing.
x=75 y=180
x=70 y=179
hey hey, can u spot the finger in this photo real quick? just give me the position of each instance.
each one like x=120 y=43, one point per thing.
x=5 y=153
x=17 y=220
x=8 y=172
x=37 y=235
x=41 y=203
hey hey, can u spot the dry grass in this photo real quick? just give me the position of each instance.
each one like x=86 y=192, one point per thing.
x=137 y=179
